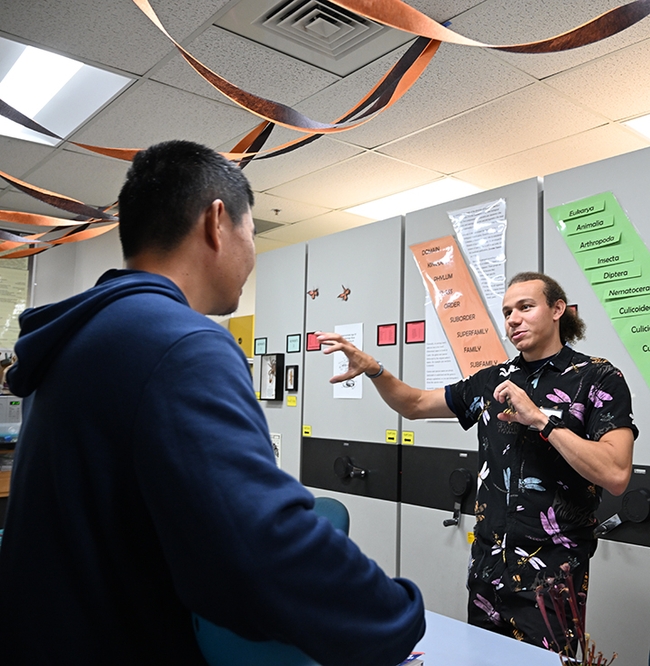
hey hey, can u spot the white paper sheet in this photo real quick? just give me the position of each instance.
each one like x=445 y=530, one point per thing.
x=351 y=388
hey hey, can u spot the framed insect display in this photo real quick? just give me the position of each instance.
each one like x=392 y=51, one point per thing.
x=291 y=378
x=272 y=377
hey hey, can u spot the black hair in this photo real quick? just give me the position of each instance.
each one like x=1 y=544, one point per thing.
x=168 y=186
x=572 y=327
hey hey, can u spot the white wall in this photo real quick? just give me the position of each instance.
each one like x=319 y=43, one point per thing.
x=74 y=267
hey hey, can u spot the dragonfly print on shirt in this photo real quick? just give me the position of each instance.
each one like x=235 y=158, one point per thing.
x=529 y=558
x=482 y=475
x=489 y=610
x=541 y=482
x=598 y=397
x=530 y=483
x=577 y=409
x=479 y=409
x=499 y=546
x=526 y=483
x=549 y=523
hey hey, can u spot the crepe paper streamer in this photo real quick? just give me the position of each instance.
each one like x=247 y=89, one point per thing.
x=9 y=240
x=91 y=222
x=16 y=116
x=57 y=200
x=393 y=85
x=84 y=233
x=36 y=220
x=390 y=88
x=397 y=14
x=260 y=138
x=276 y=112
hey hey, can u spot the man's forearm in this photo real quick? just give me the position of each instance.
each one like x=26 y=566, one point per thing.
x=607 y=462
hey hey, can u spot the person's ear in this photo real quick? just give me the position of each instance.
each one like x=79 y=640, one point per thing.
x=558 y=309
x=213 y=220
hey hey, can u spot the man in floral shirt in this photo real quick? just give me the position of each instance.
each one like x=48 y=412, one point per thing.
x=555 y=427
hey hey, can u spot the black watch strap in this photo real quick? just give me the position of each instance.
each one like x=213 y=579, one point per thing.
x=552 y=423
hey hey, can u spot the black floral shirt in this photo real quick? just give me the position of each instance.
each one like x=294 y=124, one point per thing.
x=533 y=510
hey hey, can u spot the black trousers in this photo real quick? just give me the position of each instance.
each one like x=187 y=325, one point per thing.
x=517 y=614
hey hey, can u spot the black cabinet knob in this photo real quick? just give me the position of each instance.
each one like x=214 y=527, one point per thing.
x=460 y=483
x=344 y=468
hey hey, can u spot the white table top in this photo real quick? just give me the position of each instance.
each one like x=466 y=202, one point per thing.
x=448 y=642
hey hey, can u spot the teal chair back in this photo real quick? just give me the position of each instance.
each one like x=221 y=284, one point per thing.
x=221 y=647
x=334 y=511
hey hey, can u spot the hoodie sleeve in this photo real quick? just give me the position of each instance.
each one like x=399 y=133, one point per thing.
x=244 y=547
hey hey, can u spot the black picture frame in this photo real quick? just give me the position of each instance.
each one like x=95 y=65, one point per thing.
x=291 y=378
x=259 y=347
x=271 y=376
x=293 y=343
x=313 y=343
x=414 y=332
x=386 y=335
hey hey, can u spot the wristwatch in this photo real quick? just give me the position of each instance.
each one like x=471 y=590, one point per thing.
x=553 y=422
x=378 y=373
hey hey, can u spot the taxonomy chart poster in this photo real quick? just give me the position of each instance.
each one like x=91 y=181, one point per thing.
x=462 y=312
x=616 y=262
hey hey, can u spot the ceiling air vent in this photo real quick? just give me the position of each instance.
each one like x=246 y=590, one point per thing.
x=315 y=31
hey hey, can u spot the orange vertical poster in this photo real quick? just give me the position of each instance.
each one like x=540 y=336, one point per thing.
x=462 y=312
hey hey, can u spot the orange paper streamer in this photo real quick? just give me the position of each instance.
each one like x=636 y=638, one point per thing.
x=397 y=14
x=393 y=85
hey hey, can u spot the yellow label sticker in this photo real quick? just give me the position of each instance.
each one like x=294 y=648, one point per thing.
x=408 y=437
x=470 y=538
x=258 y=395
x=292 y=400
x=391 y=436
x=306 y=431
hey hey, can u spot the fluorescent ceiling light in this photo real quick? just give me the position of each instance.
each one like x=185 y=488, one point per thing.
x=46 y=72
x=446 y=189
x=57 y=92
x=641 y=125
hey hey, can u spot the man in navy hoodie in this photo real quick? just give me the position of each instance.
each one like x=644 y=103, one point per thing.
x=144 y=484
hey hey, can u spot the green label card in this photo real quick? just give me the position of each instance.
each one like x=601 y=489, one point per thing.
x=616 y=262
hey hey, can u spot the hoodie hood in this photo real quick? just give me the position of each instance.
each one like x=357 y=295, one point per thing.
x=45 y=330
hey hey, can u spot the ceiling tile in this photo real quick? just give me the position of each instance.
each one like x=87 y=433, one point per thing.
x=596 y=144
x=265 y=174
x=357 y=180
x=506 y=126
x=457 y=79
x=263 y=244
x=255 y=68
x=443 y=10
x=115 y=34
x=623 y=75
x=476 y=111
x=153 y=112
x=290 y=211
x=17 y=157
x=518 y=21
x=92 y=179
x=323 y=225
